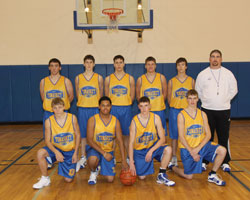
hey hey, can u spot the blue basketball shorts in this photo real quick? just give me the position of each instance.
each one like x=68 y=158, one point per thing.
x=124 y=115
x=65 y=168
x=83 y=116
x=173 y=129
x=142 y=167
x=107 y=167
x=162 y=115
x=208 y=152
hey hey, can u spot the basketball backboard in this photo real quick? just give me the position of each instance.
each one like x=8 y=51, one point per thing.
x=136 y=14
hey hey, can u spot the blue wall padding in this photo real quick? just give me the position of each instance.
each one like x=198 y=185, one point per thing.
x=20 y=98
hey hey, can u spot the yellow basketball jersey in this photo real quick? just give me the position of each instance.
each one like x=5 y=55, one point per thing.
x=104 y=135
x=63 y=137
x=179 y=91
x=194 y=129
x=52 y=91
x=119 y=90
x=153 y=90
x=145 y=137
x=89 y=92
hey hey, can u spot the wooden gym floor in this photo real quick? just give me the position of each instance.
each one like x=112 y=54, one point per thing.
x=19 y=171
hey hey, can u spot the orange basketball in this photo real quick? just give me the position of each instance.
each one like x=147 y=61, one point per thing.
x=127 y=178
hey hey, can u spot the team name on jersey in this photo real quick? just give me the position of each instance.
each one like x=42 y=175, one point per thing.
x=51 y=94
x=195 y=130
x=145 y=138
x=119 y=90
x=63 y=138
x=104 y=137
x=88 y=91
x=181 y=93
x=152 y=93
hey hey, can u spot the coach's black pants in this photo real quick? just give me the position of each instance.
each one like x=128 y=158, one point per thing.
x=219 y=120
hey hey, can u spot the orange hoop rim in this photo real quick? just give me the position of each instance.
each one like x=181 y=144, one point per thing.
x=112 y=12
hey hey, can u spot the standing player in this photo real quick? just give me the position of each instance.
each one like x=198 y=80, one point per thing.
x=89 y=89
x=102 y=130
x=216 y=87
x=62 y=138
x=147 y=141
x=154 y=86
x=177 y=90
x=120 y=87
x=194 y=135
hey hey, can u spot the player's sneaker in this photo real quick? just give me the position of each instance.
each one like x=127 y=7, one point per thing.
x=127 y=160
x=170 y=165
x=204 y=167
x=174 y=161
x=49 y=161
x=81 y=163
x=93 y=177
x=162 y=178
x=225 y=167
x=44 y=181
x=213 y=178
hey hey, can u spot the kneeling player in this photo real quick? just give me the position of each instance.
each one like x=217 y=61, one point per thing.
x=194 y=135
x=147 y=142
x=62 y=138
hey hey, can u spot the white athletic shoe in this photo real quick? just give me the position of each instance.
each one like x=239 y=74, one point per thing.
x=225 y=167
x=204 y=167
x=162 y=178
x=213 y=178
x=44 y=181
x=81 y=163
x=93 y=178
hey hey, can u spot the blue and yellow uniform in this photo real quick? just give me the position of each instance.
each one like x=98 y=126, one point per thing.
x=104 y=136
x=63 y=139
x=194 y=134
x=145 y=139
x=52 y=91
x=88 y=97
x=119 y=93
x=153 y=90
x=178 y=102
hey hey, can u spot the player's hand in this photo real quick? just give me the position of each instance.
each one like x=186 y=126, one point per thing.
x=59 y=156
x=74 y=158
x=107 y=156
x=196 y=157
x=132 y=168
x=195 y=151
x=148 y=157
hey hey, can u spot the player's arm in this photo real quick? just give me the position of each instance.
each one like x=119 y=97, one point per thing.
x=90 y=139
x=138 y=88
x=77 y=139
x=42 y=89
x=119 y=139
x=131 y=147
x=59 y=156
x=164 y=87
x=169 y=91
x=100 y=82
x=132 y=88
x=193 y=83
x=161 y=140
x=77 y=86
x=181 y=134
x=107 y=86
x=69 y=88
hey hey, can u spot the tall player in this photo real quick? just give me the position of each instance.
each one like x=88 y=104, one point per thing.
x=62 y=139
x=177 y=91
x=194 y=135
x=89 y=89
x=120 y=87
x=102 y=130
x=147 y=142
x=154 y=86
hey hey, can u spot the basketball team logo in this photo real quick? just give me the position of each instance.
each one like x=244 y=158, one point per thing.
x=63 y=138
x=119 y=90
x=104 y=138
x=195 y=130
x=88 y=91
x=145 y=139
x=54 y=94
x=152 y=93
x=181 y=93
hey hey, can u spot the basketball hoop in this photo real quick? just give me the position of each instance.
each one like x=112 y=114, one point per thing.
x=113 y=15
